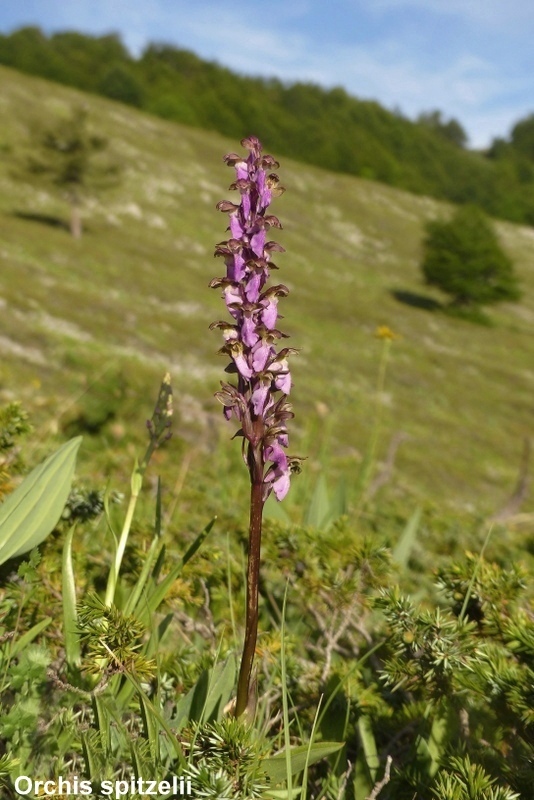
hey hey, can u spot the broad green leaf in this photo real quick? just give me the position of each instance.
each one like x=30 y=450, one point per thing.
x=275 y=766
x=319 y=510
x=70 y=616
x=403 y=548
x=31 y=512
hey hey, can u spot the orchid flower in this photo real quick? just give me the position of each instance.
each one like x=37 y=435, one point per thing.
x=258 y=397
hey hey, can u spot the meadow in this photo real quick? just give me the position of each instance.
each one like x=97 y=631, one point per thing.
x=89 y=328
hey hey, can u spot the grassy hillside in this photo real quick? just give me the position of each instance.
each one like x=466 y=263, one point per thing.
x=327 y=128
x=91 y=325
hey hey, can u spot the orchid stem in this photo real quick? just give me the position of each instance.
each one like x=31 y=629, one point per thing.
x=253 y=576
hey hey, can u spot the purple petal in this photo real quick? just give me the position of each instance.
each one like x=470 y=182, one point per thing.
x=241 y=170
x=263 y=189
x=283 y=439
x=273 y=452
x=257 y=242
x=253 y=287
x=260 y=353
x=232 y=297
x=269 y=315
x=242 y=365
x=281 y=486
x=259 y=396
x=283 y=382
x=236 y=229
x=248 y=331
x=245 y=205
x=236 y=270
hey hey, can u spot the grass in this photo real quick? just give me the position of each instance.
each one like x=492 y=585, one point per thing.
x=130 y=300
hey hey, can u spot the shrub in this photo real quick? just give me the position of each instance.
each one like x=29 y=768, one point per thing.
x=463 y=258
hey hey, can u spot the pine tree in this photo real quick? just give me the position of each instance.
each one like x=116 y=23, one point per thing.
x=65 y=155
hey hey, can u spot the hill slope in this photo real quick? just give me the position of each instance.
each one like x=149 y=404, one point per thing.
x=131 y=297
x=326 y=128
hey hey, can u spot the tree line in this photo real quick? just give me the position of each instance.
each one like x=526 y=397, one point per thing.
x=325 y=127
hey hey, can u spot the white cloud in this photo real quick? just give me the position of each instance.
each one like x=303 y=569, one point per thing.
x=485 y=90
x=510 y=15
x=462 y=88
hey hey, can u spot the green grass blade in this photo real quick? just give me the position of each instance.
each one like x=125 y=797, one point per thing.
x=147 y=605
x=308 y=755
x=70 y=616
x=319 y=511
x=403 y=548
x=277 y=767
x=141 y=583
x=19 y=644
x=286 y=762
x=474 y=575
x=367 y=739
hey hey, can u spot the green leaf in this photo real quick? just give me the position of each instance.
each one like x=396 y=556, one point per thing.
x=206 y=701
x=31 y=512
x=19 y=644
x=319 y=511
x=151 y=728
x=362 y=783
x=275 y=766
x=403 y=548
x=70 y=616
x=148 y=605
x=276 y=511
x=431 y=750
x=281 y=794
x=367 y=739
x=148 y=563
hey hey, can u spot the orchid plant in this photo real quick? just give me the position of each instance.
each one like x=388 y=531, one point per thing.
x=258 y=397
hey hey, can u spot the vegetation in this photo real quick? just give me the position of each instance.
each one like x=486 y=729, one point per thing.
x=65 y=155
x=395 y=657
x=84 y=330
x=326 y=128
x=463 y=258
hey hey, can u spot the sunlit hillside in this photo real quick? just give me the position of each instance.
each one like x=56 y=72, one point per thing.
x=96 y=321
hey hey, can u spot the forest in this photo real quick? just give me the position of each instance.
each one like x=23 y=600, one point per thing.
x=324 y=127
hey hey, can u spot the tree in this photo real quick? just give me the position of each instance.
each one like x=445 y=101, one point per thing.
x=523 y=137
x=120 y=84
x=66 y=155
x=450 y=129
x=463 y=258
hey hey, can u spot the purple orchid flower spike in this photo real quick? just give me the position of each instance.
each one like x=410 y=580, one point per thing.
x=258 y=400
x=250 y=341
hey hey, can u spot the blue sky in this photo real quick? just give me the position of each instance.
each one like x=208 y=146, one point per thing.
x=473 y=59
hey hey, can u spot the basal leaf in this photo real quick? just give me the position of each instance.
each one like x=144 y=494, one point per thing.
x=32 y=511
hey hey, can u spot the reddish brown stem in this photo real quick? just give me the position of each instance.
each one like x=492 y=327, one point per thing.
x=253 y=575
